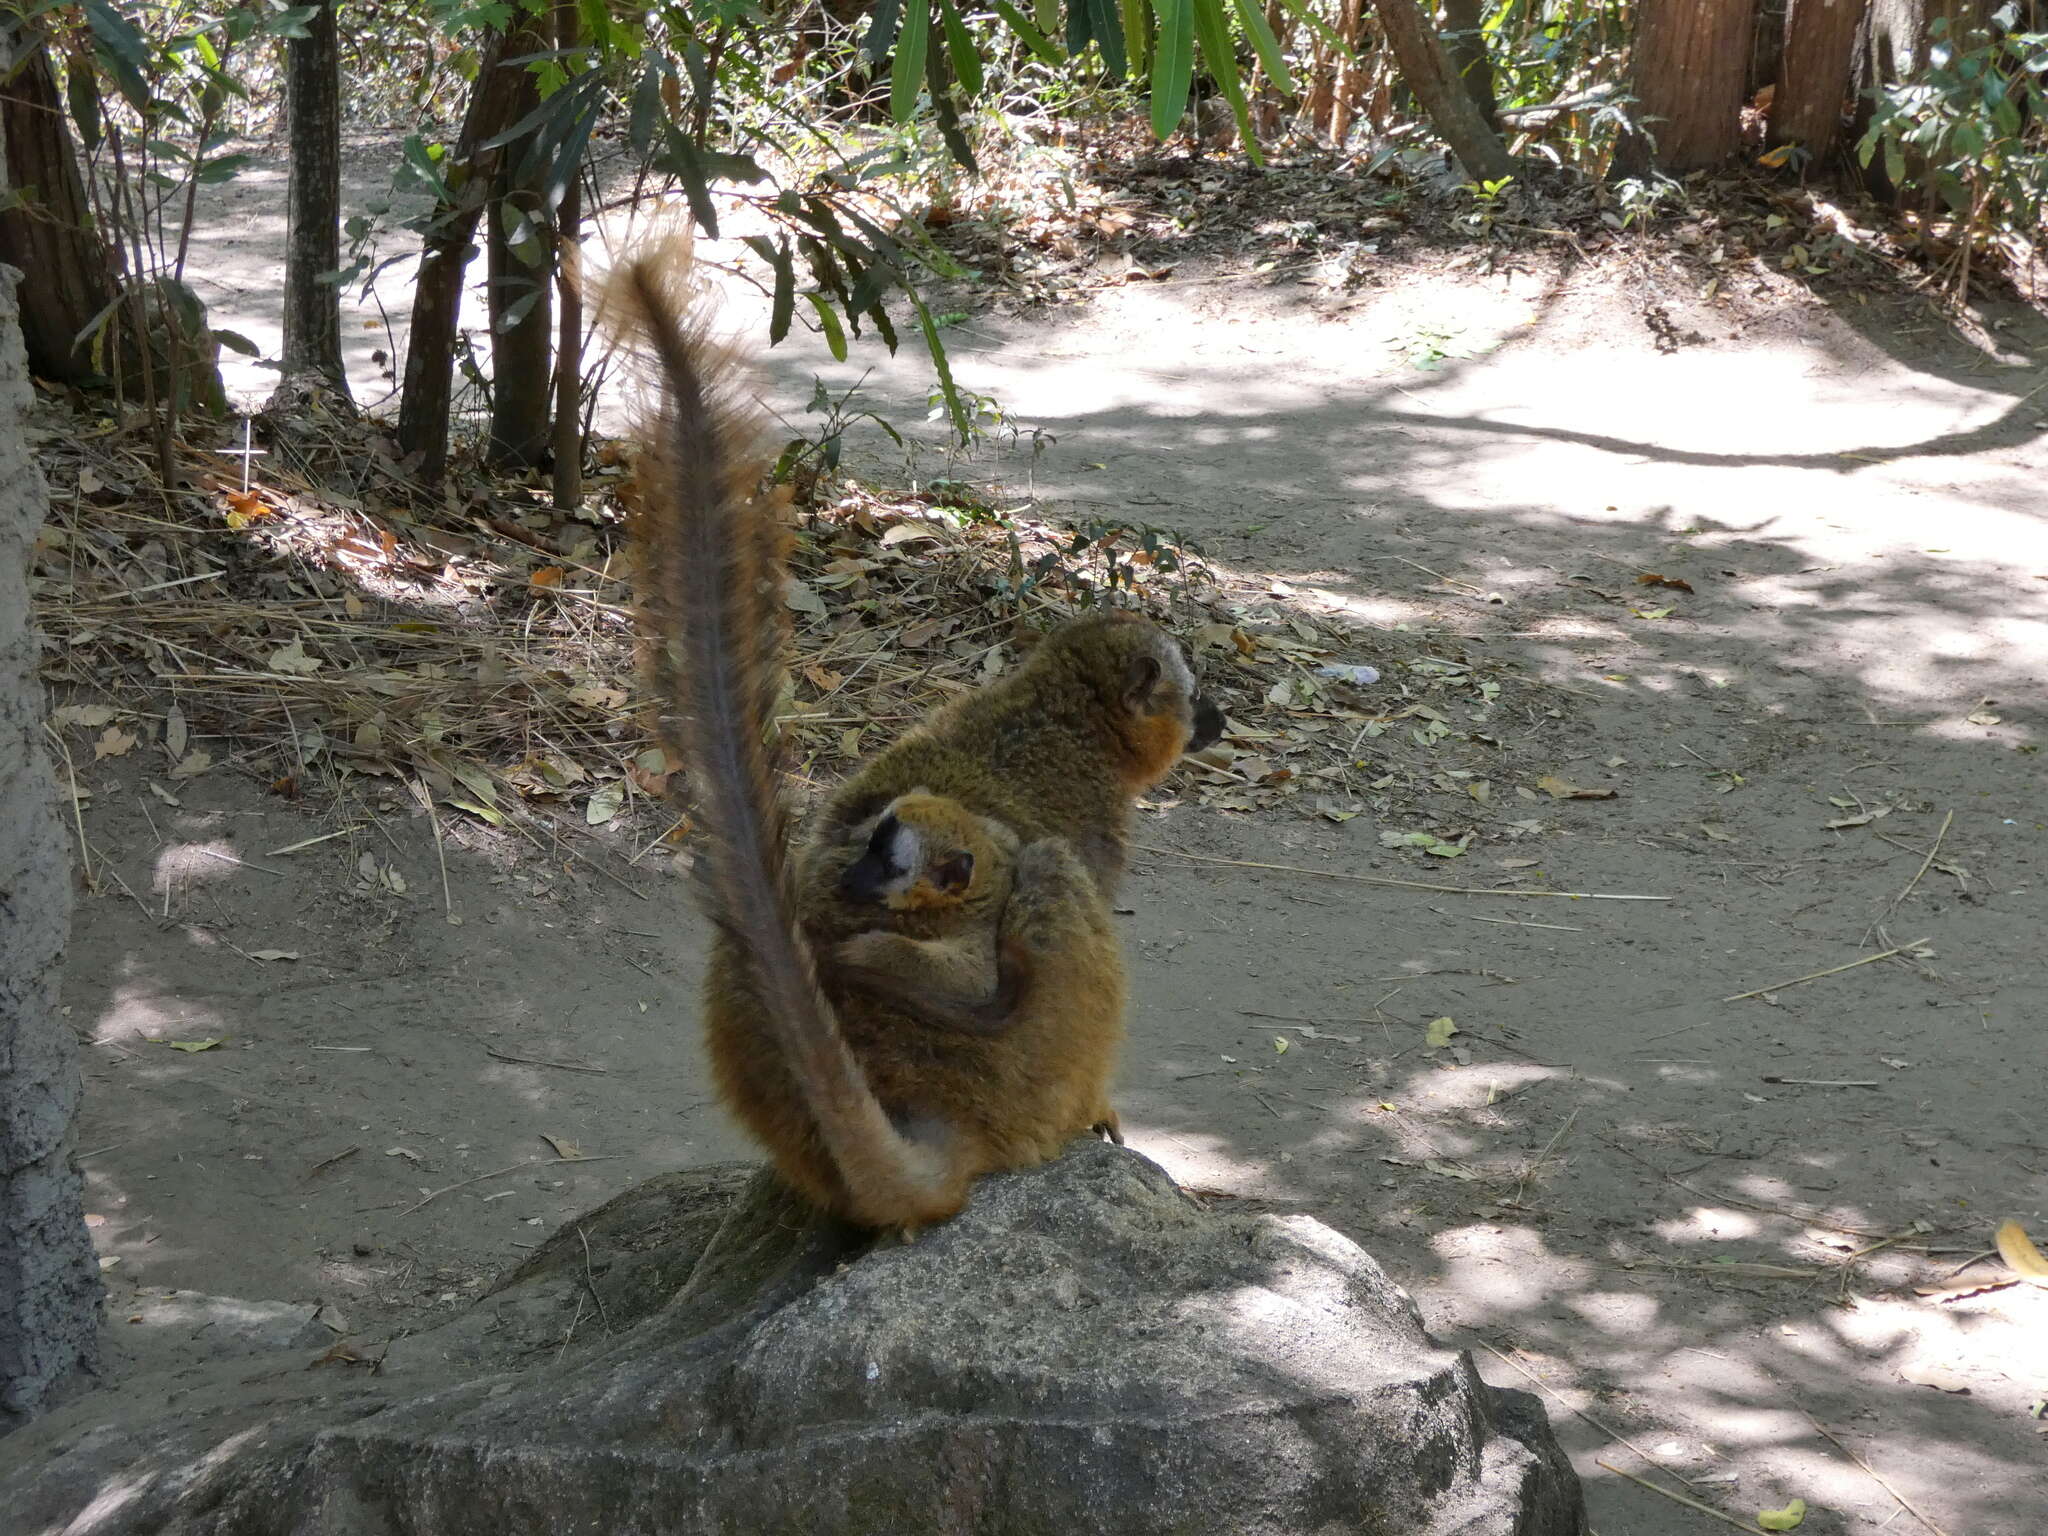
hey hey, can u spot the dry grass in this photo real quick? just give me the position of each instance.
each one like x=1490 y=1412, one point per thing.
x=330 y=631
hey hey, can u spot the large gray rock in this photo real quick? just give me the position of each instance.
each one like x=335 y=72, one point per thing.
x=1082 y=1350
x=49 y=1276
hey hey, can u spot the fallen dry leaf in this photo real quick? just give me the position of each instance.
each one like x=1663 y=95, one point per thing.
x=564 y=1148
x=1943 y=1378
x=1564 y=789
x=2020 y=1254
x=547 y=576
x=1655 y=579
x=90 y=716
x=112 y=742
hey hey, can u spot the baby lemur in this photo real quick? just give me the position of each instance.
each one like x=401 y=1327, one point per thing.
x=871 y=1110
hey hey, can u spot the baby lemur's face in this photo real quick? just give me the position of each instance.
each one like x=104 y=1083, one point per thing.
x=927 y=852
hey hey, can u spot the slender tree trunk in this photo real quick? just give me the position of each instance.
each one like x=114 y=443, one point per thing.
x=1691 y=63
x=1427 y=70
x=444 y=258
x=521 y=287
x=568 y=440
x=69 y=271
x=1466 y=44
x=1814 y=81
x=312 y=299
x=49 y=1277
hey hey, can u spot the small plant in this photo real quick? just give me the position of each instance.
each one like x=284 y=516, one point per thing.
x=809 y=455
x=1487 y=202
x=1967 y=132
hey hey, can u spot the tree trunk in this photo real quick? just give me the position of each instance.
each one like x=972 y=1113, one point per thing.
x=69 y=272
x=521 y=280
x=49 y=1277
x=1691 y=63
x=444 y=258
x=568 y=442
x=1466 y=44
x=312 y=299
x=1428 y=71
x=1814 y=84
x=521 y=318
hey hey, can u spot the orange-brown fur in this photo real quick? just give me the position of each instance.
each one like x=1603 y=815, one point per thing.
x=867 y=1109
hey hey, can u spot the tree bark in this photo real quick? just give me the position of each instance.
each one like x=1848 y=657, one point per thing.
x=521 y=281
x=69 y=271
x=1814 y=82
x=444 y=258
x=1466 y=44
x=312 y=299
x=1691 y=63
x=1428 y=71
x=49 y=1277
x=568 y=440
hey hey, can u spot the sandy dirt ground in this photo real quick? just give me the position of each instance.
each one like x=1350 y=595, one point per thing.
x=1694 y=1223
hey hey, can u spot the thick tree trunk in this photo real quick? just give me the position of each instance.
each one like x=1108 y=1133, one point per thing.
x=1427 y=70
x=49 y=1277
x=444 y=258
x=568 y=440
x=69 y=270
x=521 y=319
x=312 y=306
x=1466 y=44
x=521 y=280
x=1814 y=83
x=1691 y=63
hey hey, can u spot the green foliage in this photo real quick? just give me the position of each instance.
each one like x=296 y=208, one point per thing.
x=1971 y=128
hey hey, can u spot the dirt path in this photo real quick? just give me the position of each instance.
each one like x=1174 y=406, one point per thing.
x=1645 y=1196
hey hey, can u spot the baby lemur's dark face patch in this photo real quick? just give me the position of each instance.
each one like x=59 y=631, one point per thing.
x=886 y=873
x=881 y=864
x=1208 y=724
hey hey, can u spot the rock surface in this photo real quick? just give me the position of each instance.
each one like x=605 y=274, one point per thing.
x=1083 y=1350
x=49 y=1277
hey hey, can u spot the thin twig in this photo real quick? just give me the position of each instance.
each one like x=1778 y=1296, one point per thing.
x=590 y=1281
x=229 y=858
x=1904 y=1502
x=535 y=1061
x=1679 y=1498
x=1557 y=1397
x=1412 y=885
x=1925 y=864
x=1542 y=1157
x=1833 y=970
x=77 y=814
x=530 y=1162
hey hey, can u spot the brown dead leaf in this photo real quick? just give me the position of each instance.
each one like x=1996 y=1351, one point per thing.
x=547 y=576
x=246 y=507
x=112 y=742
x=1654 y=579
x=1564 y=789
x=564 y=1148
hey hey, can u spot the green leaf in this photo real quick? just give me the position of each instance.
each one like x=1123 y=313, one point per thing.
x=1173 y=64
x=785 y=295
x=828 y=320
x=85 y=106
x=881 y=31
x=966 y=61
x=956 y=408
x=122 y=49
x=1266 y=44
x=906 y=71
x=1212 y=28
x=235 y=341
x=1032 y=38
x=1108 y=30
x=1308 y=18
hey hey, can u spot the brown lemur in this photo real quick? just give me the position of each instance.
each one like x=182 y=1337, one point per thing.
x=873 y=1112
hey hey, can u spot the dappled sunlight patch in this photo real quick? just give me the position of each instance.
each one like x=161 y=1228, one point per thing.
x=1627 y=1314
x=137 y=1012
x=1708 y=1224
